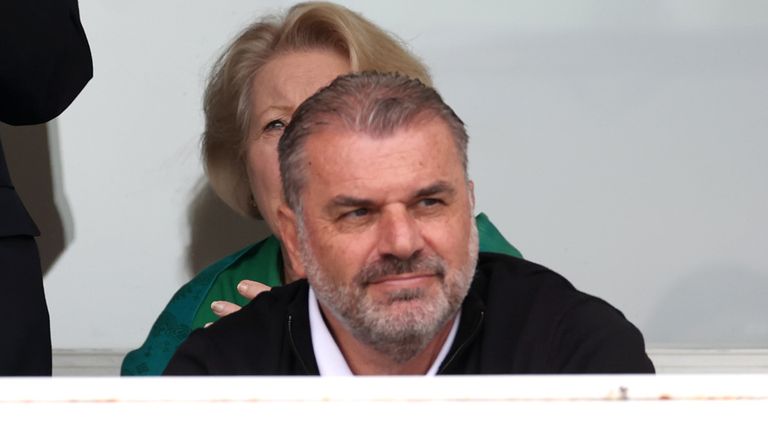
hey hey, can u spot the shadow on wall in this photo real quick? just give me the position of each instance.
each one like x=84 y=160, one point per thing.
x=32 y=155
x=33 y=158
x=216 y=230
x=716 y=307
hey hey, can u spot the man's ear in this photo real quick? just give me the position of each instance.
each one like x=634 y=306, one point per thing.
x=471 y=190
x=287 y=224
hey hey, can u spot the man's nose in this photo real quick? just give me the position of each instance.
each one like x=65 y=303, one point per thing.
x=399 y=234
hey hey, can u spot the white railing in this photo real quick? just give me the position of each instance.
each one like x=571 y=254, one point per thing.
x=487 y=403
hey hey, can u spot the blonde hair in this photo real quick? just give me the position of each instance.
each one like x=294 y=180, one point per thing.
x=305 y=26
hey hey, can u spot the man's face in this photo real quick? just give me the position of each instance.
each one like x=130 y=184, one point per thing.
x=388 y=240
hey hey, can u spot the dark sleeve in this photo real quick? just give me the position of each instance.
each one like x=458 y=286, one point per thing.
x=190 y=358
x=45 y=60
x=594 y=337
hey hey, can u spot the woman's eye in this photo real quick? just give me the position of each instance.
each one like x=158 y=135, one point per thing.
x=274 y=125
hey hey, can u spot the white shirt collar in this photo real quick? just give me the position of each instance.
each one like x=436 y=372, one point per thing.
x=330 y=361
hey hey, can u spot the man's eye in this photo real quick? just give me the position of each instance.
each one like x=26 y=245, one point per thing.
x=357 y=213
x=429 y=202
x=274 y=125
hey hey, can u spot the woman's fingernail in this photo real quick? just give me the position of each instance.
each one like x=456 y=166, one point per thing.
x=241 y=288
x=217 y=307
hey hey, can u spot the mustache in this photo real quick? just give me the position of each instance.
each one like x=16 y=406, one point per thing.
x=391 y=266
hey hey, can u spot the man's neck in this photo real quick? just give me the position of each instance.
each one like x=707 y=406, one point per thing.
x=364 y=360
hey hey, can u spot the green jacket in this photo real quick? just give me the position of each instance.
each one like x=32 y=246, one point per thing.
x=262 y=262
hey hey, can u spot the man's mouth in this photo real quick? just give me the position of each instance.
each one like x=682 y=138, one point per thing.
x=405 y=279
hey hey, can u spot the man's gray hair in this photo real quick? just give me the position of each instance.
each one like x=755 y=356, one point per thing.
x=376 y=104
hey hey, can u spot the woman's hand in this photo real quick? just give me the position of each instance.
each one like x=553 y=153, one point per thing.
x=247 y=288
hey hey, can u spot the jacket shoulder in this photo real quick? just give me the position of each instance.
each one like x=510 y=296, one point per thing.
x=510 y=278
x=540 y=322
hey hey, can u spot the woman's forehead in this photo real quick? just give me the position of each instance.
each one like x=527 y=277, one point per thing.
x=287 y=80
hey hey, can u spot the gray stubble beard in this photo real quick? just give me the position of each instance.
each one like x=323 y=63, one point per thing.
x=403 y=336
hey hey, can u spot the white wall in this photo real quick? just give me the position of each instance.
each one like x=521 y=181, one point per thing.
x=621 y=143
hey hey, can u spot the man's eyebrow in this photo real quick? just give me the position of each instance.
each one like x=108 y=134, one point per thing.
x=349 y=201
x=439 y=187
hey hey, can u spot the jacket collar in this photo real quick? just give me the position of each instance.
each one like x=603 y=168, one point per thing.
x=472 y=317
x=297 y=329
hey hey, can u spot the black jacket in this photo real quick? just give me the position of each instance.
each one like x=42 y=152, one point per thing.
x=517 y=318
x=45 y=62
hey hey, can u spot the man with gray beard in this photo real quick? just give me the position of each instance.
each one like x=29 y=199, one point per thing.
x=378 y=211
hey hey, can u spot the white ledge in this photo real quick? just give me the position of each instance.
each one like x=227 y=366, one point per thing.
x=93 y=362
x=461 y=403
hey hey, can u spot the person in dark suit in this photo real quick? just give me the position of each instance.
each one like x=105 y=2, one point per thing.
x=45 y=62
